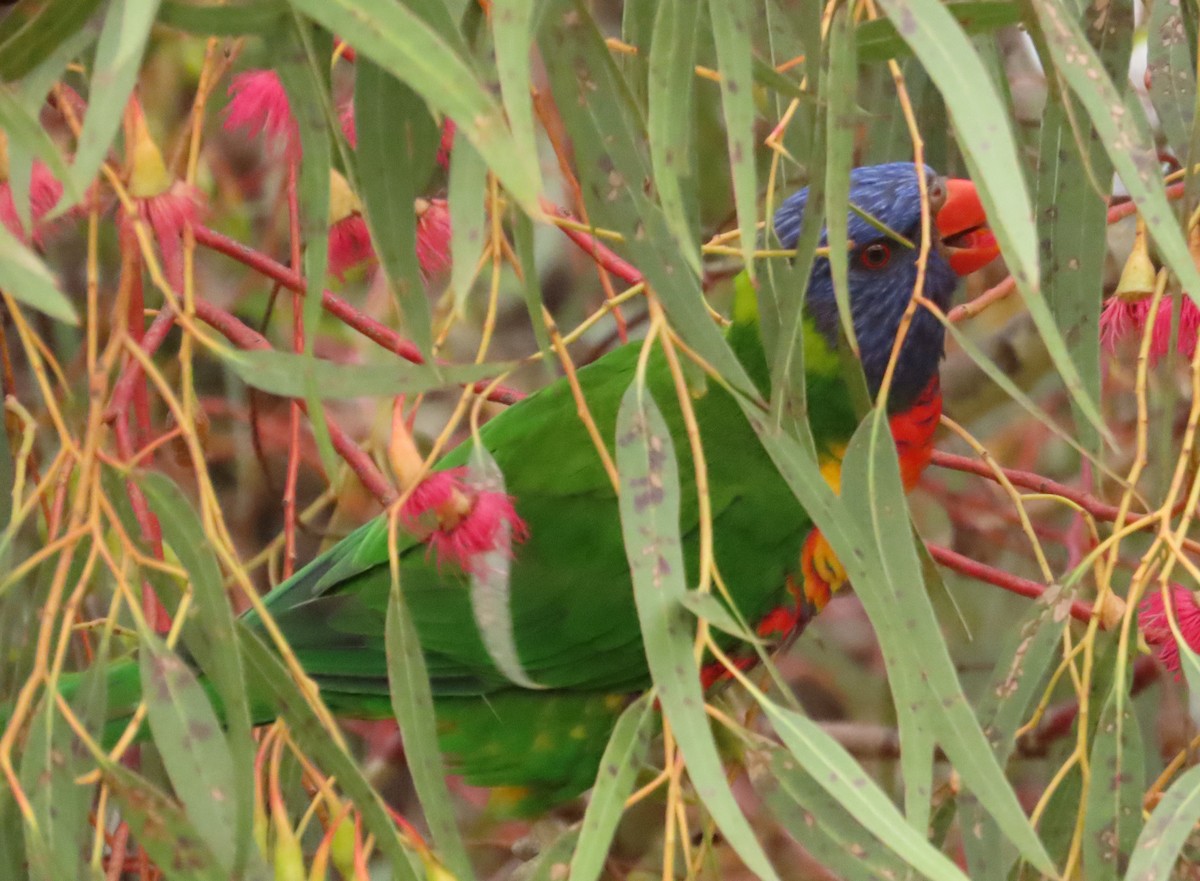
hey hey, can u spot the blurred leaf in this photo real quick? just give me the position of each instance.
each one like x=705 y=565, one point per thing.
x=412 y=705
x=553 y=861
x=1116 y=784
x=119 y=54
x=731 y=33
x=624 y=755
x=222 y=18
x=878 y=40
x=189 y=738
x=290 y=375
x=24 y=277
x=468 y=189
x=523 y=244
x=671 y=87
x=512 y=35
x=27 y=139
x=396 y=138
x=51 y=760
x=650 y=525
x=272 y=684
x=404 y=44
x=214 y=643
x=162 y=828
x=34 y=28
x=1172 y=71
x=1168 y=829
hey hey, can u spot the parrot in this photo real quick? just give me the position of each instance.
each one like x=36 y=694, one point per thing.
x=533 y=722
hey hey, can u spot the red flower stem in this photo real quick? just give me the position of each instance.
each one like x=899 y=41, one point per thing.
x=293 y=459
x=370 y=328
x=1038 y=484
x=595 y=249
x=1027 y=480
x=1080 y=610
x=245 y=338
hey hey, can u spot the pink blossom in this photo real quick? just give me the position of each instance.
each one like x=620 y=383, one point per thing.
x=44 y=192
x=259 y=104
x=349 y=245
x=469 y=521
x=433 y=236
x=1157 y=629
x=168 y=215
x=1124 y=318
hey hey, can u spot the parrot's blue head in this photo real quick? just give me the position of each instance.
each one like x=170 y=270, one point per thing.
x=883 y=270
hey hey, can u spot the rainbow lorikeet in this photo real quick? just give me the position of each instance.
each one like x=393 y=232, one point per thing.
x=537 y=721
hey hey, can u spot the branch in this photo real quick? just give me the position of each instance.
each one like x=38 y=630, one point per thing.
x=370 y=328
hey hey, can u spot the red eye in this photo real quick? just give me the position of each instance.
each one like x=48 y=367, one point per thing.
x=875 y=256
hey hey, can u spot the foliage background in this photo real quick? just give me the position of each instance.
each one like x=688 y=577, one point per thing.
x=687 y=126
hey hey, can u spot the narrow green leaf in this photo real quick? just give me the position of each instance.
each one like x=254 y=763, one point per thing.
x=624 y=755
x=731 y=33
x=396 y=138
x=304 y=73
x=1172 y=74
x=1167 y=830
x=820 y=822
x=523 y=244
x=290 y=375
x=270 y=681
x=221 y=18
x=909 y=633
x=468 y=184
x=213 y=641
x=25 y=277
x=1026 y=656
x=161 y=827
x=1123 y=130
x=708 y=608
x=33 y=29
x=28 y=139
x=879 y=40
x=1072 y=217
x=412 y=704
x=649 y=505
x=671 y=85
x=407 y=46
x=836 y=771
x=1115 y=788
x=189 y=738
x=512 y=35
x=122 y=44
x=990 y=151
x=49 y=764
x=839 y=89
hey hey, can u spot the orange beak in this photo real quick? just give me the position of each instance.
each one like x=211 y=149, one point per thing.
x=962 y=225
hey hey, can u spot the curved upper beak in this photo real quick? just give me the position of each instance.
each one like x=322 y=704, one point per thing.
x=968 y=243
